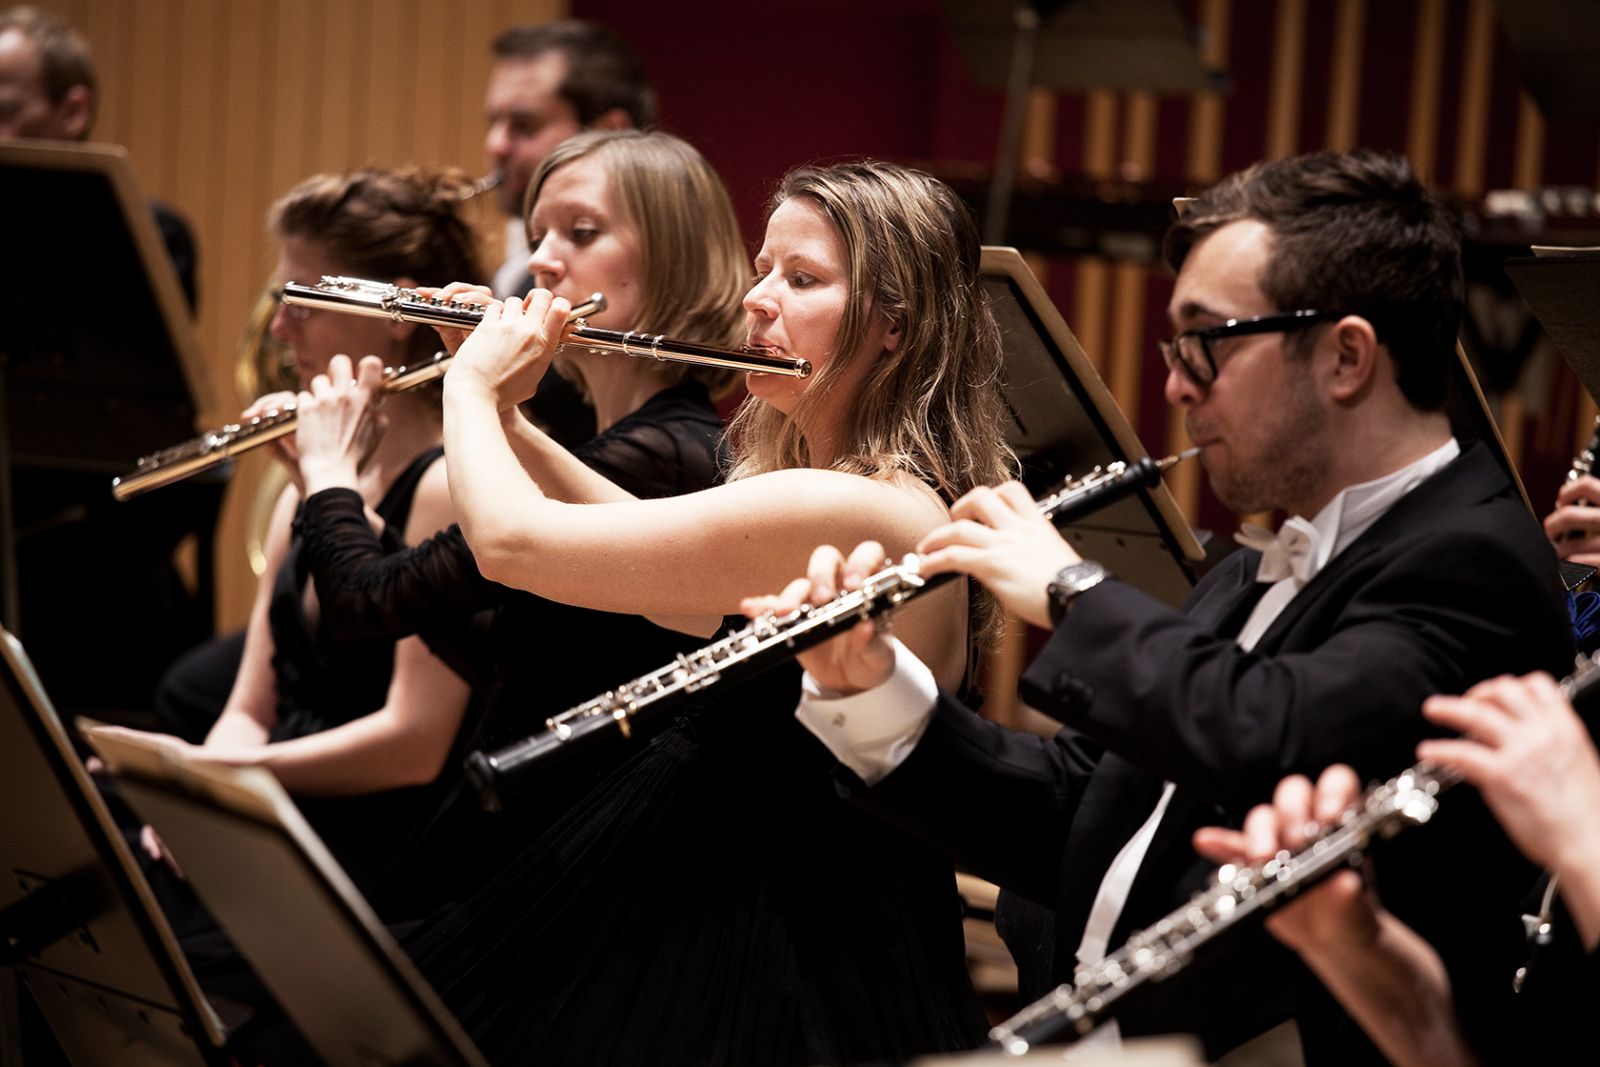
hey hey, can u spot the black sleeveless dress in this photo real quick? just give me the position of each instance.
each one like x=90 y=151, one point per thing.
x=712 y=901
x=323 y=683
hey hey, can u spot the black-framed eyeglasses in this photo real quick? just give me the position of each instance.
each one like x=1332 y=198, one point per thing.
x=1190 y=351
x=298 y=312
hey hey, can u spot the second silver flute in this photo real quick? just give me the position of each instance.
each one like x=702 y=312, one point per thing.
x=216 y=447
x=768 y=641
x=1241 y=895
x=357 y=296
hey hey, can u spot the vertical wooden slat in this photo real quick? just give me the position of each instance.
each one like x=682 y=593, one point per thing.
x=1527 y=161
x=1344 y=87
x=1288 y=56
x=1472 y=126
x=1203 y=165
x=1427 y=79
x=1127 y=312
x=1091 y=280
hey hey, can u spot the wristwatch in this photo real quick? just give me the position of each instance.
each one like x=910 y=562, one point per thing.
x=1070 y=583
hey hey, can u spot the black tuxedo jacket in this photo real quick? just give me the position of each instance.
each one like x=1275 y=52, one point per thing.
x=1454 y=584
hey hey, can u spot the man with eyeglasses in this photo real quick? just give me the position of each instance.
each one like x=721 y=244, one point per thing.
x=1316 y=304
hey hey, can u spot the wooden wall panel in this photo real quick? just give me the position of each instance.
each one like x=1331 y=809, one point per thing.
x=224 y=104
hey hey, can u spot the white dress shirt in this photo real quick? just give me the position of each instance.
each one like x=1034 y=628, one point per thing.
x=874 y=731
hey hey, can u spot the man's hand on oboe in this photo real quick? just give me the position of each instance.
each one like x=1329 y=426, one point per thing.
x=999 y=538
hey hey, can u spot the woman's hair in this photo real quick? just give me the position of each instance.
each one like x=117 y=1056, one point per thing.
x=695 y=267
x=932 y=407
x=386 y=225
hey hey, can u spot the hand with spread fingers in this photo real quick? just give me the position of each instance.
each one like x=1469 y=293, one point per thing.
x=339 y=423
x=999 y=538
x=510 y=350
x=1574 y=526
x=1532 y=759
x=1384 y=974
x=856 y=660
x=1339 y=911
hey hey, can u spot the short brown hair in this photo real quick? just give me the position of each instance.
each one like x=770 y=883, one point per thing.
x=603 y=73
x=386 y=225
x=1353 y=232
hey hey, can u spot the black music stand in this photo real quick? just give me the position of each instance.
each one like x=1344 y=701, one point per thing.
x=282 y=899
x=1561 y=286
x=77 y=920
x=91 y=379
x=1064 y=422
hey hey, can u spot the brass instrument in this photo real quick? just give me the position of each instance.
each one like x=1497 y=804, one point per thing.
x=1241 y=895
x=217 y=446
x=769 y=641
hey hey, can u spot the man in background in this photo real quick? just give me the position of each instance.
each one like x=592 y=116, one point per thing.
x=549 y=82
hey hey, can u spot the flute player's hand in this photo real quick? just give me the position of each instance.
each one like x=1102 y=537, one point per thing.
x=509 y=352
x=856 y=660
x=460 y=293
x=340 y=423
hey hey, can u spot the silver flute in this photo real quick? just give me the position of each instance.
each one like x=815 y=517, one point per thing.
x=215 y=447
x=768 y=641
x=1241 y=895
x=357 y=296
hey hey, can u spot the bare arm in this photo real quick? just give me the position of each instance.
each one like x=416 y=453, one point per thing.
x=251 y=710
x=693 y=556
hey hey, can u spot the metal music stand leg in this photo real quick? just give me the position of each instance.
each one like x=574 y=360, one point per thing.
x=1025 y=49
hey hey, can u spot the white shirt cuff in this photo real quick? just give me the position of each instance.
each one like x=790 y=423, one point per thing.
x=874 y=731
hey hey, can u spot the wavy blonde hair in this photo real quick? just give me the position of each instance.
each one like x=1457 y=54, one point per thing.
x=931 y=408
x=695 y=266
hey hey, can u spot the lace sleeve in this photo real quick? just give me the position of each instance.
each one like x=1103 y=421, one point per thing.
x=655 y=459
x=365 y=592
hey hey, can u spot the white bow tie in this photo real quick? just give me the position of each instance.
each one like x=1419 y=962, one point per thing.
x=1292 y=551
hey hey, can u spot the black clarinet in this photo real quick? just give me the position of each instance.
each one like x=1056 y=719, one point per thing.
x=1574 y=575
x=769 y=641
x=1242 y=895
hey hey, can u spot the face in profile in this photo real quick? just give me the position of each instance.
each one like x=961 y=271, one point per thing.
x=527 y=118
x=1252 y=423
x=801 y=291
x=314 y=335
x=582 y=243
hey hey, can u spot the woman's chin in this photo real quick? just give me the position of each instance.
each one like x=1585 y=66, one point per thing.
x=768 y=388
